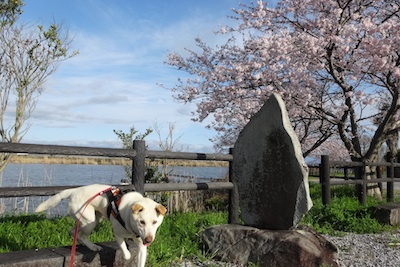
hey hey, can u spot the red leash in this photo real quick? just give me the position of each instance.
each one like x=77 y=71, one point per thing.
x=73 y=249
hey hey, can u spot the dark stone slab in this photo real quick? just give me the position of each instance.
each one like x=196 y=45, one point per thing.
x=31 y=258
x=270 y=171
x=111 y=255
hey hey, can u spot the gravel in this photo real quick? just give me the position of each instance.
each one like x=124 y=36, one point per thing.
x=355 y=250
x=367 y=250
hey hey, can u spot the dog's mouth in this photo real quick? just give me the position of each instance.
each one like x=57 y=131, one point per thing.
x=146 y=243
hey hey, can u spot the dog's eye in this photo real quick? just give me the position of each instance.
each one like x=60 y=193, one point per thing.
x=154 y=222
x=142 y=222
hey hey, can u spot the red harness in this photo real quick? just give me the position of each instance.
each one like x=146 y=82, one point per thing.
x=114 y=199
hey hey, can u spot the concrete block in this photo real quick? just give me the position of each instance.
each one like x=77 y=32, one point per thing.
x=31 y=258
x=111 y=255
x=388 y=213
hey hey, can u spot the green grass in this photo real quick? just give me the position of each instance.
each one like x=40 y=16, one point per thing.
x=344 y=214
x=35 y=231
x=179 y=237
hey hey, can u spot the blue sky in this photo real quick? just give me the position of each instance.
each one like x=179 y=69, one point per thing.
x=112 y=83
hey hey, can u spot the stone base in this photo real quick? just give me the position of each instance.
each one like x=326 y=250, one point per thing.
x=111 y=255
x=241 y=244
x=388 y=213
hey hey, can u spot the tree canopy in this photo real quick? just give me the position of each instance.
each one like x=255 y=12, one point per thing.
x=335 y=63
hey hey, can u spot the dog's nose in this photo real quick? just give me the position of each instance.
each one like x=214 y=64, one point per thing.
x=148 y=239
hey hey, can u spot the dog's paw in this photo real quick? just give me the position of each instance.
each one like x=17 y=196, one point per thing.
x=127 y=255
x=94 y=247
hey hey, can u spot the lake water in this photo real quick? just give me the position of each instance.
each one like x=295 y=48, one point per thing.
x=76 y=174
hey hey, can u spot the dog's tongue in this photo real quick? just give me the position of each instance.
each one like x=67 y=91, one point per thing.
x=146 y=243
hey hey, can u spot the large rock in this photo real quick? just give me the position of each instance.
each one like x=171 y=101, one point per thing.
x=269 y=170
x=242 y=244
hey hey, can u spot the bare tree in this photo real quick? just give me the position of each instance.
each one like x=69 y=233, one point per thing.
x=166 y=144
x=29 y=54
x=127 y=143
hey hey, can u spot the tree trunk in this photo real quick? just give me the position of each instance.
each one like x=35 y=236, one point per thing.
x=370 y=172
x=373 y=189
x=4 y=160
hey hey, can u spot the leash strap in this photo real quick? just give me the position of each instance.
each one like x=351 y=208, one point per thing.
x=73 y=249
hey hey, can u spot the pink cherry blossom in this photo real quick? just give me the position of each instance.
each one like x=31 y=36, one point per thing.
x=335 y=63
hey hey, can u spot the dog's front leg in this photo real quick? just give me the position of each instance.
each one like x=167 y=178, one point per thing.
x=142 y=255
x=121 y=243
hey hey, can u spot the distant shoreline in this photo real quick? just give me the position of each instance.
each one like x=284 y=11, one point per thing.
x=46 y=159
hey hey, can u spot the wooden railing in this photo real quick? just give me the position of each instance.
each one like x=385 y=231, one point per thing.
x=138 y=155
x=359 y=177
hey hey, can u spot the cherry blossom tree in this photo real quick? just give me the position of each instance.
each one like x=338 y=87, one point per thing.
x=334 y=62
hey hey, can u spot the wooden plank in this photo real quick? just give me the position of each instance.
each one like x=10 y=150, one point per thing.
x=138 y=165
x=233 y=207
x=105 y=152
x=325 y=180
x=52 y=190
x=187 y=155
x=31 y=191
x=66 y=150
x=187 y=186
x=345 y=182
x=358 y=164
x=360 y=181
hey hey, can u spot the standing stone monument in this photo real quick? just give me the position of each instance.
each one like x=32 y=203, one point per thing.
x=272 y=179
x=270 y=171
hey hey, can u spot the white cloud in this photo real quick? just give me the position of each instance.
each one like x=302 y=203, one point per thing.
x=112 y=83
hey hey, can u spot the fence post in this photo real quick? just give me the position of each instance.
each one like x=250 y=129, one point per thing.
x=233 y=209
x=138 y=165
x=346 y=172
x=390 y=185
x=362 y=189
x=379 y=176
x=324 y=179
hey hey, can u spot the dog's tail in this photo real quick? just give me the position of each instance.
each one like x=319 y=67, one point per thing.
x=54 y=200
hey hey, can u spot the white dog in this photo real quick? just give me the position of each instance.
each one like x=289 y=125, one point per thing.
x=131 y=214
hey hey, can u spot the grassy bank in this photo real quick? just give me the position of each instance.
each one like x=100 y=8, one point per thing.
x=29 y=159
x=180 y=235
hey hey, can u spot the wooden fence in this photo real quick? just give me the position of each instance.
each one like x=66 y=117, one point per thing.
x=138 y=154
x=355 y=173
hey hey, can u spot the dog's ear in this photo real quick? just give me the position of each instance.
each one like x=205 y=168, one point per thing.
x=137 y=208
x=160 y=209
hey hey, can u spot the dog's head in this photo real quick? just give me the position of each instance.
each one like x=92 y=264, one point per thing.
x=147 y=217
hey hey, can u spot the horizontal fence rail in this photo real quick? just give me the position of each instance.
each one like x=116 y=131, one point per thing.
x=66 y=150
x=187 y=156
x=52 y=190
